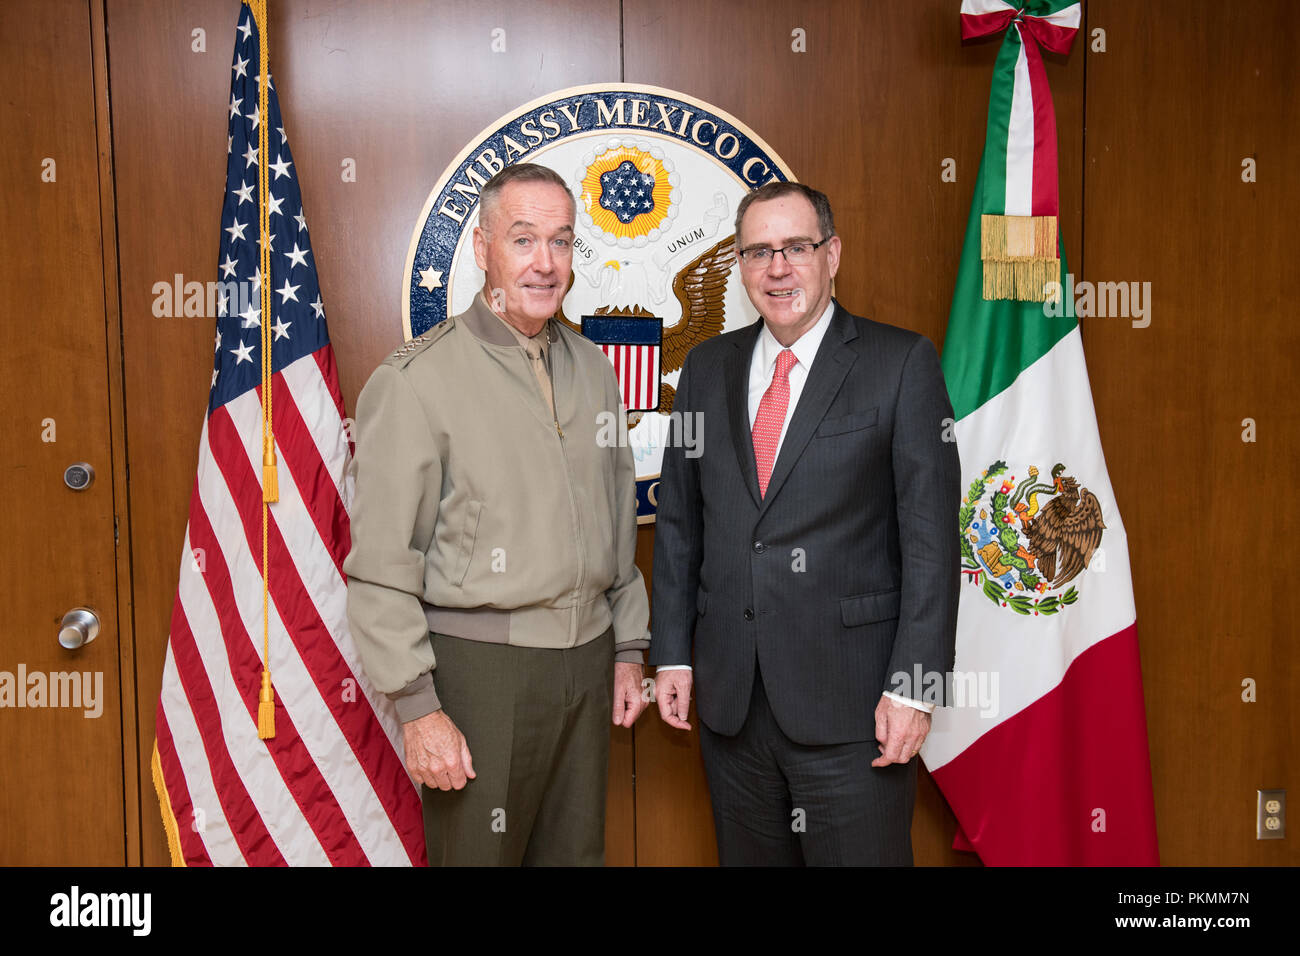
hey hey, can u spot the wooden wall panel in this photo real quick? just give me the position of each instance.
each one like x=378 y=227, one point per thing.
x=401 y=87
x=1174 y=106
x=62 y=796
x=398 y=87
x=868 y=114
x=169 y=142
x=883 y=95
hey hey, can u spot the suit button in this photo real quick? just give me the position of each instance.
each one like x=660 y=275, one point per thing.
x=749 y=614
x=759 y=547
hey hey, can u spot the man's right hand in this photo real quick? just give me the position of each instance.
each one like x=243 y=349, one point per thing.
x=673 y=692
x=436 y=752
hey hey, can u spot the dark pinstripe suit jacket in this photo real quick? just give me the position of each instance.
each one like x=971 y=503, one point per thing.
x=847 y=571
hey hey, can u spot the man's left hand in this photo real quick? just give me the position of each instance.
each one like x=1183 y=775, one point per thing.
x=628 y=699
x=901 y=730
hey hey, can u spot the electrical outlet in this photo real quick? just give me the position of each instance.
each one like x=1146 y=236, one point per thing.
x=1270 y=815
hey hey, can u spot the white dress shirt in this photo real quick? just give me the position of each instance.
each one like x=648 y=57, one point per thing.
x=761 y=368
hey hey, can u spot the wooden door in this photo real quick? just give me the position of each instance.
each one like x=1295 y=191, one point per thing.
x=62 y=799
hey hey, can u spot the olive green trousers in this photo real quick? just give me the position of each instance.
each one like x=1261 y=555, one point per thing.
x=537 y=723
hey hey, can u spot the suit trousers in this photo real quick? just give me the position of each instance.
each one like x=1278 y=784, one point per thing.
x=537 y=723
x=780 y=803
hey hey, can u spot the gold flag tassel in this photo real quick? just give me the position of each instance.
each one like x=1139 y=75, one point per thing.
x=266 y=708
x=270 y=484
x=1020 y=257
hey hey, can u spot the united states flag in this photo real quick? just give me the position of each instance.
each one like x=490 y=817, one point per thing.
x=330 y=788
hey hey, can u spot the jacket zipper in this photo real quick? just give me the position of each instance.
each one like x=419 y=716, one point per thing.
x=577 y=525
x=573 y=509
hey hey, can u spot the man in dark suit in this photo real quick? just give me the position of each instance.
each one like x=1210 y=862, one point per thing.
x=808 y=556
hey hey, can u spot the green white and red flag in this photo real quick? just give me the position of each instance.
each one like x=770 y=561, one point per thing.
x=1044 y=758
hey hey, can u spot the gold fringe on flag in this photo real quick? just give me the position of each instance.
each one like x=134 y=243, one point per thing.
x=170 y=827
x=1020 y=257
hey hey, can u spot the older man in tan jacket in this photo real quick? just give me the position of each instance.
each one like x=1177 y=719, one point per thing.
x=493 y=590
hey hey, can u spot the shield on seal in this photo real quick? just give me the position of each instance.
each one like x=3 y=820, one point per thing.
x=633 y=345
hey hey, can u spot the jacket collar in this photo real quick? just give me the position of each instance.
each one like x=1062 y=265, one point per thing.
x=487 y=326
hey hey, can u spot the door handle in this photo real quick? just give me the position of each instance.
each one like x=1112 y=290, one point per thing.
x=79 y=627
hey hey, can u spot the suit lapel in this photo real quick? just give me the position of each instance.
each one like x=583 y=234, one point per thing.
x=736 y=381
x=829 y=369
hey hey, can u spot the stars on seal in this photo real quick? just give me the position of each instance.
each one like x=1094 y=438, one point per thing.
x=626 y=192
x=430 y=279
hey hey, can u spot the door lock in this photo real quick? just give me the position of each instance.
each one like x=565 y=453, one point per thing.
x=79 y=476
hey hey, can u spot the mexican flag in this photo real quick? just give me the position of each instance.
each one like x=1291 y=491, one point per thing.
x=1043 y=756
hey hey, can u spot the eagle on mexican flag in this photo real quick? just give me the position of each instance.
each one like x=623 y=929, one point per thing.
x=1055 y=769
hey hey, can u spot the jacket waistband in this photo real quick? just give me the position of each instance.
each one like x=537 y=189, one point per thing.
x=525 y=626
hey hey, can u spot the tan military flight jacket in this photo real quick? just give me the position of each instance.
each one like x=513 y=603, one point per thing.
x=480 y=515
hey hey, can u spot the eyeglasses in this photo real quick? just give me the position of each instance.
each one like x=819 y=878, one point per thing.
x=797 y=253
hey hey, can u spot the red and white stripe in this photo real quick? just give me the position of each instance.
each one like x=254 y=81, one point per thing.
x=637 y=368
x=1055 y=31
x=331 y=787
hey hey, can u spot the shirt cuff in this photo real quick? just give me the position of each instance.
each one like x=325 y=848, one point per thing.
x=673 y=667
x=417 y=699
x=630 y=656
x=928 y=708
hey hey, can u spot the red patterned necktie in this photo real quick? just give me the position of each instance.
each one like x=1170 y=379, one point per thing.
x=770 y=419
